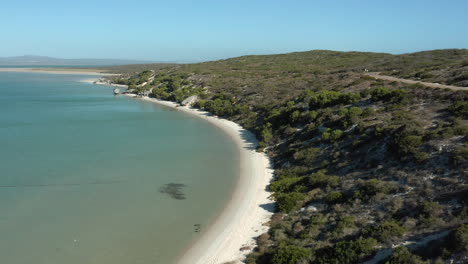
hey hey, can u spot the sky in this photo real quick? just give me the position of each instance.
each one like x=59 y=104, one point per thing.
x=190 y=31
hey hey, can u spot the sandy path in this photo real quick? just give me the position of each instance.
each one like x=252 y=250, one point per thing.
x=433 y=85
x=249 y=208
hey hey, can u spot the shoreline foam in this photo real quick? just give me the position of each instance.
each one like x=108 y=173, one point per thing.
x=249 y=207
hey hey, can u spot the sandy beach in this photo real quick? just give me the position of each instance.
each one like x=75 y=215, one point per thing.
x=249 y=208
x=74 y=71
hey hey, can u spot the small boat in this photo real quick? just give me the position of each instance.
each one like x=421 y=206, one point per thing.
x=116 y=91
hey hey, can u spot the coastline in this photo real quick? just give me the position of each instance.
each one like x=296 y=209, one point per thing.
x=74 y=71
x=249 y=207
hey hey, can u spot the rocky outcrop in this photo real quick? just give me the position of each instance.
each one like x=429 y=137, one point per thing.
x=189 y=101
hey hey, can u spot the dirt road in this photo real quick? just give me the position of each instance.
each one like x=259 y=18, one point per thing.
x=428 y=84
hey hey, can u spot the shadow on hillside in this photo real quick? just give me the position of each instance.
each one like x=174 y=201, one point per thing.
x=269 y=207
x=249 y=139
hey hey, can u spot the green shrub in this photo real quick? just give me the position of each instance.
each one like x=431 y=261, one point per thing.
x=401 y=255
x=459 y=128
x=460 y=155
x=267 y=133
x=336 y=134
x=334 y=197
x=459 y=109
x=381 y=93
x=346 y=252
x=387 y=231
x=368 y=112
x=460 y=238
x=324 y=98
x=349 y=98
x=284 y=185
x=370 y=188
x=332 y=135
x=346 y=222
x=350 y=116
x=290 y=254
x=429 y=209
x=421 y=156
x=311 y=116
x=408 y=144
x=295 y=116
x=220 y=106
x=321 y=179
x=200 y=103
x=387 y=95
x=307 y=155
x=286 y=202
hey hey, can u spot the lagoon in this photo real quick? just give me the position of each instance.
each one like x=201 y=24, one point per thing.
x=81 y=174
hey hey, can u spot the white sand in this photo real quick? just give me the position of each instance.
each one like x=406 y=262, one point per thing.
x=249 y=208
x=75 y=71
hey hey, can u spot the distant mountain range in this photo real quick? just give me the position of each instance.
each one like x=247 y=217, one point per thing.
x=31 y=60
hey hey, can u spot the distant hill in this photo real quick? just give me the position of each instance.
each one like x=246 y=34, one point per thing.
x=448 y=66
x=30 y=60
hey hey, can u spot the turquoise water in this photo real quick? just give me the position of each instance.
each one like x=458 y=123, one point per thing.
x=81 y=172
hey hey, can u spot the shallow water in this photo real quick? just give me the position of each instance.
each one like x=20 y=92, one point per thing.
x=81 y=174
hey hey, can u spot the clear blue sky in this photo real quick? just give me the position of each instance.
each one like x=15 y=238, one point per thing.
x=200 y=30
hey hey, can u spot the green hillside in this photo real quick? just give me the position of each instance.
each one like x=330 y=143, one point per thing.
x=360 y=164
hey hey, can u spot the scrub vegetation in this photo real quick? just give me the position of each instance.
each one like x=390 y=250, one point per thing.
x=361 y=165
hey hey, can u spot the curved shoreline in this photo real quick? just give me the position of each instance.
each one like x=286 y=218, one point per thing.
x=249 y=207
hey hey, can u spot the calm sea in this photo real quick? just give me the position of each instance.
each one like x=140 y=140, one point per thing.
x=88 y=177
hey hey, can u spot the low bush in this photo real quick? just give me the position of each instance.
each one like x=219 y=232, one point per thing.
x=285 y=202
x=346 y=252
x=290 y=254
